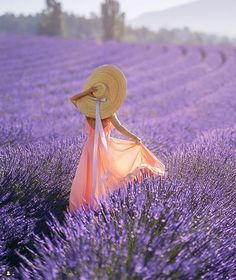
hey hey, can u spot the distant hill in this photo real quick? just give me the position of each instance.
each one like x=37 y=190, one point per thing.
x=210 y=16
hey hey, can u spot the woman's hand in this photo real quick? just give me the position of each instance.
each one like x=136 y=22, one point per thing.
x=82 y=94
x=88 y=91
x=91 y=90
x=138 y=140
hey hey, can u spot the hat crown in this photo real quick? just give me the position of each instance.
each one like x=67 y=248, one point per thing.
x=100 y=91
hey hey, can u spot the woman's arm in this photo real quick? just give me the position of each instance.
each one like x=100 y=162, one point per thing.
x=81 y=94
x=117 y=124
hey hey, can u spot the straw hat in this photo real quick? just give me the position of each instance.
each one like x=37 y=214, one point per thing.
x=110 y=83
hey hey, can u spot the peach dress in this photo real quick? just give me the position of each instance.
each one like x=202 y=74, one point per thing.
x=122 y=161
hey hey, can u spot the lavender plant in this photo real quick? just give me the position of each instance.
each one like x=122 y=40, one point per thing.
x=180 y=101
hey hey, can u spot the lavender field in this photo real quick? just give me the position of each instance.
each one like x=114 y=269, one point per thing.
x=180 y=101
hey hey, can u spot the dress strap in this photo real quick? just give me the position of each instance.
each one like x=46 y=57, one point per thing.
x=98 y=131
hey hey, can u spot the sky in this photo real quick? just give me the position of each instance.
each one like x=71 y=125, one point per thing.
x=132 y=8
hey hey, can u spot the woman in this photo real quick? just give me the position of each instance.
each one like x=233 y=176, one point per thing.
x=118 y=161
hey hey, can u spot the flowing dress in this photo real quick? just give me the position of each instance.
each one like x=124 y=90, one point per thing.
x=122 y=161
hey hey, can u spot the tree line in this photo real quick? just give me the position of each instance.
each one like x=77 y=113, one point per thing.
x=109 y=25
x=52 y=21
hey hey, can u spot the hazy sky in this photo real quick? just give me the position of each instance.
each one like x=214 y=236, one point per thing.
x=132 y=8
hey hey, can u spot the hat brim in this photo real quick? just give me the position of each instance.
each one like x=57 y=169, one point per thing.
x=111 y=84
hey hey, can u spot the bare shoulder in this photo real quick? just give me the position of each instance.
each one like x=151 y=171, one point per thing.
x=113 y=119
x=92 y=122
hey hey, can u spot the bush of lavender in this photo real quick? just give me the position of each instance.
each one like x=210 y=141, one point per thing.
x=180 y=101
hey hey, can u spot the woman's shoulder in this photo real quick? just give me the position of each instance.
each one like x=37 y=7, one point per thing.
x=105 y=119
x=91 y=121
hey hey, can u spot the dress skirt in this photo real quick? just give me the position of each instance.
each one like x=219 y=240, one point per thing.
x=123 y=161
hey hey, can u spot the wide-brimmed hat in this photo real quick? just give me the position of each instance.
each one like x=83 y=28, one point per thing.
x=110 y=83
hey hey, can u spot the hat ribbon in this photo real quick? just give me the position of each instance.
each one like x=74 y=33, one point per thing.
x=98 y=130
